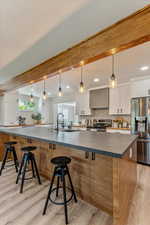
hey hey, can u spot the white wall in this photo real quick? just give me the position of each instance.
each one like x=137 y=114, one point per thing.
x=9 y=103
x=9 y=111
x=139 y=88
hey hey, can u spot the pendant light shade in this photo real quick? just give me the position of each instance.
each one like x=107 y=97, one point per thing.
x=60 y=92
x=113 y=80
x=44 y=92
x=60 y=89
x=81 y=88
x=31 y=98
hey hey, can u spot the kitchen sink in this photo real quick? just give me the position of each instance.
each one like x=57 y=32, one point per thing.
x=70 y=130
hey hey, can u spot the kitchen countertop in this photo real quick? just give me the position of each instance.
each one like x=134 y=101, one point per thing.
x=117 y=128
x=109 y=144
x=23 y=125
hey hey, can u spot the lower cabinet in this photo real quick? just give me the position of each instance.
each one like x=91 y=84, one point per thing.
x=92 y=183
x=4 y=138
x=100 y=180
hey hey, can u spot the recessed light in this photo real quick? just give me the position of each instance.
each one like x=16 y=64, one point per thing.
x=67 y=86
x=144 y=68
x=96 y=79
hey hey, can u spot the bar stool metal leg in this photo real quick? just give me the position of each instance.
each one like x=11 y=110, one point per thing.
x=75 y=198
x=20 y=169
x=15 y=160
x=23 y=173
x=32 y=166
x=4 y=161
x=49 y=192
x=57 y=190
x=65 y=199
x=36 y=169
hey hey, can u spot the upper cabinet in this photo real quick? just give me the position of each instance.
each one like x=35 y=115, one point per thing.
x=83 y=107
x=119 y=100
x=99 y=98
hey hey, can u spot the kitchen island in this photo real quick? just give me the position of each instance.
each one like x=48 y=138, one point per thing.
x=103 y=167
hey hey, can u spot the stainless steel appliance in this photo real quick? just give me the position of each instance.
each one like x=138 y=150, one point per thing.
x=100 y=125
x=140 y=125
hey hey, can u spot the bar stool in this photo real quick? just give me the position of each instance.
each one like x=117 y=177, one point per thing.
x=9 y=148
x=60 y=171
x=28 y=157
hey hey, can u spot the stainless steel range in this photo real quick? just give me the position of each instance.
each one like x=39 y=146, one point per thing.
x=100 y=125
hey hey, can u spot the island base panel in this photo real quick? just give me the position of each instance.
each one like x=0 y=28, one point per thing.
x=107 y=183
x=124 y=184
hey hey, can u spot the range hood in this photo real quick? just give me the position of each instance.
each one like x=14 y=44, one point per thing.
x=99 y=98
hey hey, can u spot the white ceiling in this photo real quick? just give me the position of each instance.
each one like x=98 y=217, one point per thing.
x=33 y=31
x=127 y=66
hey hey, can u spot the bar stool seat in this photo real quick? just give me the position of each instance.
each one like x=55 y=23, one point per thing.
x=28 y=148
x=10 y=143
x=28 y=158
x=61 y=160
x=61 y=171
x=9 y=149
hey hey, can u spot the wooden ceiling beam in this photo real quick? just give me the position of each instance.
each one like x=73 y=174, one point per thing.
x=127 y=33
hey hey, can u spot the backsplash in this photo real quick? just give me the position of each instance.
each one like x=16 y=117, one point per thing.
x=104 y=114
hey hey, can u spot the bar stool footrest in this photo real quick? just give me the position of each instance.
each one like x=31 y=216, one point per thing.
x=61 y=203
x=6 y=166
x=27 y=178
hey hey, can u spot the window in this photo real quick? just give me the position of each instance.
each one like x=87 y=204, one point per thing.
x=68 y=109
x=27 y=105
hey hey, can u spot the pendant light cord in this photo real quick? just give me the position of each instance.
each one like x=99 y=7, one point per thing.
x=44 y=85
x=81 y=73
x=59 y=80
x=113 y=64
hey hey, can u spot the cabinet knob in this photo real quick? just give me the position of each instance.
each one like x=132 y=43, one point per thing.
x=93 y=155
x=86 y=155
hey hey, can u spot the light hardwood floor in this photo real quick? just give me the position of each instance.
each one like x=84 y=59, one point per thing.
x=140 y=208
x=26 y=209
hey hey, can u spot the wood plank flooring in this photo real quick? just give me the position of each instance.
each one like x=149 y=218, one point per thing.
x=26 y=209
x=140 y=208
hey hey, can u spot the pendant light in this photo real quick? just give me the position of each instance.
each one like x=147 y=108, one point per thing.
x=81 y=89
x=31 y=98
x=60 y=89
x=113 y=80
x=44 y=92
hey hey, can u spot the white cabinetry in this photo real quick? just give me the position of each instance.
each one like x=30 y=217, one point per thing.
x=119 y=100
x=83 y=107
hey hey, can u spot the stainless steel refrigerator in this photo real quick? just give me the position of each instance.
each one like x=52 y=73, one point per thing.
x=140 y=125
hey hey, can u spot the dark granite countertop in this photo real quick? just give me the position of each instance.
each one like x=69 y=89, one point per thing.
x=111 y=144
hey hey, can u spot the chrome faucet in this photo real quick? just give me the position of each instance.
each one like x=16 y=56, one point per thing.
x=62 y=123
